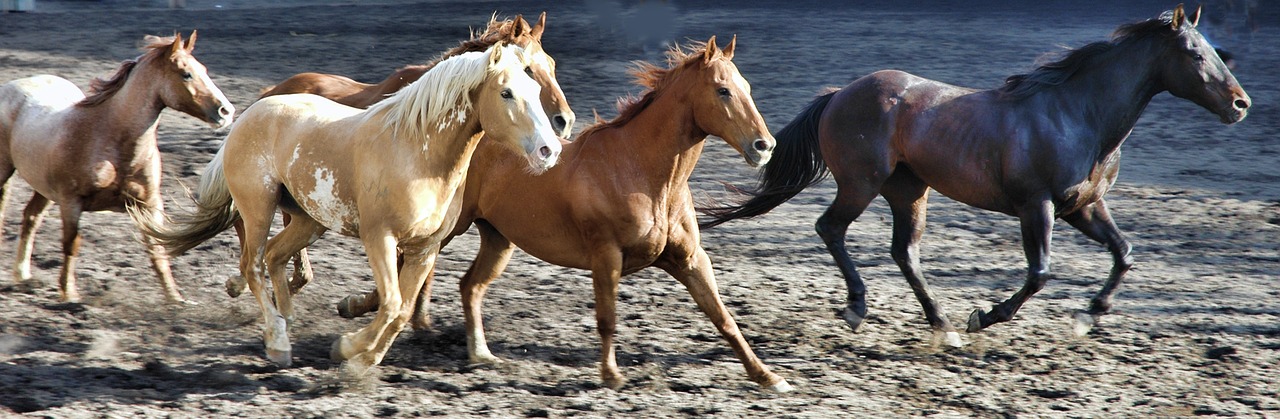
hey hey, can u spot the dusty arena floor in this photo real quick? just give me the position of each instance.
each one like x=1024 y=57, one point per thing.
x=1196 y=329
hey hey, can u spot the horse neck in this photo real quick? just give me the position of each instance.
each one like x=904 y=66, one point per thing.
x=663 y=138
x=132 y=114
x=448 y=151
x=1111 y=94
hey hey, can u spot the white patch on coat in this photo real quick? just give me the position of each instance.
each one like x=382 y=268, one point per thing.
x=329 y=210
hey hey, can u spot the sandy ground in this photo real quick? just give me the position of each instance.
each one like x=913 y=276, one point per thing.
x=1196 y=329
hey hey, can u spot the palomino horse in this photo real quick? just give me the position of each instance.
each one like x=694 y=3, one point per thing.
x=618 y=202
x=355 y=94
x=98 y=153
x=385 y=175
x=1044 y=145
x=512 y=31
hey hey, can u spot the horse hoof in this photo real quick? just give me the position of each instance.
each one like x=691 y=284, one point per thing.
x=782 y=386
x=1082 y=322
x=335 y=351
x=852 y=319
x=235 y=286
x=346 y=307
x=281 y=358
x=951 y=339
x=487 y=359
x=975 y=321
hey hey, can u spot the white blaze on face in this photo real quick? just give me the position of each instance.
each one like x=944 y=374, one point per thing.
x=328 y=209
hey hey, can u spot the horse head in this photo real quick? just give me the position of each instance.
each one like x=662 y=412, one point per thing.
x=184 y=83
x=723 y=106
x=509 y=111
x=542 y=68
x=1192 y=70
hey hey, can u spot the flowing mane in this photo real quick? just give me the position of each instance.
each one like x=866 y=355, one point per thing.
x=495 y=32
x=1055 y=73
x=101 y=89
x=443 y=92
x=653 y=78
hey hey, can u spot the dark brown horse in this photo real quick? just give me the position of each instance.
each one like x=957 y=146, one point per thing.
x=1045 y=145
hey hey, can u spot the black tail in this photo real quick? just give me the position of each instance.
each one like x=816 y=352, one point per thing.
x=796 y=164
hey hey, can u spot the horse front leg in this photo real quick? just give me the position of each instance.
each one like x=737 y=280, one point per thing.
x=357 y=347
x=491 y=260
x=1037 y=230
x=32 y=216
x=160 y=257
x=605 y=273
x=1096 y=223
x=696 y=274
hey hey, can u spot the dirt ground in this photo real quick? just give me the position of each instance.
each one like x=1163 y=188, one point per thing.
x=1196 y=328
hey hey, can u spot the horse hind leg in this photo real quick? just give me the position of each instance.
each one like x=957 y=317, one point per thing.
x=908 y=197
x=1096 y=223
x=852 y=198
x=300 y=233
x=1037 y=229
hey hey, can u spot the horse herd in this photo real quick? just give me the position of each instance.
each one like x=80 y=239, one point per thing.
x=476 y=138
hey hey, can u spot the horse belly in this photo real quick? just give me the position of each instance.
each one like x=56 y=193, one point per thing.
x=327 y=202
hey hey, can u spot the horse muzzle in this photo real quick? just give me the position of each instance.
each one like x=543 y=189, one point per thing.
x=221 y=117
x=543 y=157
x=1238 y=109
x=759 y=151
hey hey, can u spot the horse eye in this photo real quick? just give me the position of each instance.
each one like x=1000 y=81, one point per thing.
x=1199 y=58
x=506 y=94
x=723 y=91
x=529 y=71
x=186 y=76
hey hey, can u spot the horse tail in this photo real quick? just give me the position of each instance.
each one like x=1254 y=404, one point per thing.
x=215 y=212
x=796 y=164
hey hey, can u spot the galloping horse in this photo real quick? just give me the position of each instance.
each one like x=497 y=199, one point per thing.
x=511 y=31
x=617 y=203
x=99 y=153
x=355 y=94
x=385 y=175
x=1044 y=145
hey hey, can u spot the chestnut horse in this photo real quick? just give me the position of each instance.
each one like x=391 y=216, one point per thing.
x=386 y=175
x=618 y=202
x=1043 y=146
x=355 y=94
x=99 y=153
x=511 y=31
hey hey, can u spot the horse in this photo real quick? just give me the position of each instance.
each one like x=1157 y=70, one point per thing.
x=618 y=202
x=385 y=175
x=99 y=153
x=1044 y=145
x=516 y=31
x=349 y=92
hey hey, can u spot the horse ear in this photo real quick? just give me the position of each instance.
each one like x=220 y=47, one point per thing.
x=495 y=54
x=519 y=27
x=728 y=51
x=176 y=46
x=1178 y=17
x=539 y=27
x=711 y=52
x=191 y=41
x=1195 y=18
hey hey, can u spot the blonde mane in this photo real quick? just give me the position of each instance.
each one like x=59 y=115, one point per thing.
x=443 y=92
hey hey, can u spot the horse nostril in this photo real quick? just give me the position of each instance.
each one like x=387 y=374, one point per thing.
x=544 y=152
x=760 y=145
x=224 y=111
x=1242 y=104
x=558 y=122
